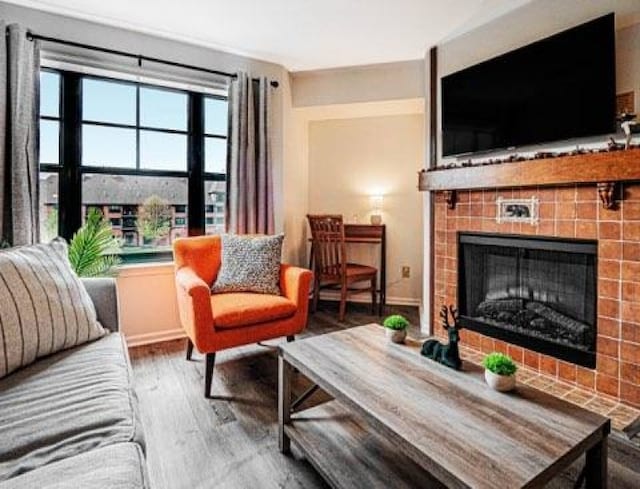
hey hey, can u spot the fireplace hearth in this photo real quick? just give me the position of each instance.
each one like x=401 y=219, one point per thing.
x=539 y=293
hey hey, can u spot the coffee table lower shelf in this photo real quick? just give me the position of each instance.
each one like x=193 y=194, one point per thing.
x=349 y=455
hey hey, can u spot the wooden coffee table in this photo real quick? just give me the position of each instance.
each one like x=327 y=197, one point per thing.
x=401 y=420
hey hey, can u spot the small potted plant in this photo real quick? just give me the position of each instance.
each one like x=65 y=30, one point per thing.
x=395 y=327
x=500 y=371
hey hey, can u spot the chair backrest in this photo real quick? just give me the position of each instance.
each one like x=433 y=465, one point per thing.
x=200 y=253
x=329 y=248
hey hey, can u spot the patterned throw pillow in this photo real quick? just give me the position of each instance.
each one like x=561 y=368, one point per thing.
x=44 y=308
x=250 y=264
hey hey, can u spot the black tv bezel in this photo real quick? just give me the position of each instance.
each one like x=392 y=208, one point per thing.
x=612 y=102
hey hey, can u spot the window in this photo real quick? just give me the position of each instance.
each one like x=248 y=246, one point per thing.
x=210 y=221
x=139 y=153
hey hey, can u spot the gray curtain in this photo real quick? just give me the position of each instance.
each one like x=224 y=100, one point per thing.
x=249 y=175
x=20 y=92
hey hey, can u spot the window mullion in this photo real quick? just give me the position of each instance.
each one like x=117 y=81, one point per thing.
x=137 y=126
x=195 y=161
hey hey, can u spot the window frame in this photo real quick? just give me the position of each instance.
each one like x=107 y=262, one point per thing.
x=70 y=169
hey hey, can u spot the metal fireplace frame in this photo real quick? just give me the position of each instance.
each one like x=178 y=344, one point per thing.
x=573 y=355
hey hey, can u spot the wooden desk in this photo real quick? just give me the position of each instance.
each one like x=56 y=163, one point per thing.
x=373 y=234
x=398 y=418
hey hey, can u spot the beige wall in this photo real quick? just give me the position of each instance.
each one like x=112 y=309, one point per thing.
x=366 y=149
x=380 y=82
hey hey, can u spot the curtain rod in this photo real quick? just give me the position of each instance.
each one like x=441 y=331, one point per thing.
x=140 y=57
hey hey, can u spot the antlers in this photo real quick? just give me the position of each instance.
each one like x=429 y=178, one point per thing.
x=444 y=314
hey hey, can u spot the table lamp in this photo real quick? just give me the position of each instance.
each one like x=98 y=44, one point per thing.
x=376 y=209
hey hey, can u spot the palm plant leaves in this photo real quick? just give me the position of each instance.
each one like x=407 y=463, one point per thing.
x=92 y=251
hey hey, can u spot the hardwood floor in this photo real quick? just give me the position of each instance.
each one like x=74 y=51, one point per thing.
x=230 y=441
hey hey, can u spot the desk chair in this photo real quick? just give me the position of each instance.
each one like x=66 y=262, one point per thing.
x=332 y=268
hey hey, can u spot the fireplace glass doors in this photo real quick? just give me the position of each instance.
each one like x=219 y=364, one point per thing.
x=536 y=293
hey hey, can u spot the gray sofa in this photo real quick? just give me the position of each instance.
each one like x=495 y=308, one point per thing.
x=71 y=420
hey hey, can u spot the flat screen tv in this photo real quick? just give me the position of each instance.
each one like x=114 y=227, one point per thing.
x=558 y=88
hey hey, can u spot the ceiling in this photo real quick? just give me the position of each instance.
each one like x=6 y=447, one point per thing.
x=299 y=34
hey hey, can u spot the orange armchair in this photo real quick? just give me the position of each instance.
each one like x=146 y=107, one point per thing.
x=220 y=321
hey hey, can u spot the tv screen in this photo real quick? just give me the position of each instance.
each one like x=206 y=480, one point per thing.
x=558 y=88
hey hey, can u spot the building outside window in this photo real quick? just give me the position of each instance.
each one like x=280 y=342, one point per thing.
x=133 y=144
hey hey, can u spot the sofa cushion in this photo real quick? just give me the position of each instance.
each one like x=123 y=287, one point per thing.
x=71 y=402
x=236 y=310
x=249 y=264
x=44 y=308
x=119 y=466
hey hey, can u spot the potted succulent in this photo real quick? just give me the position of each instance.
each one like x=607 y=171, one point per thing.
x=500 y=371
x=395 y=327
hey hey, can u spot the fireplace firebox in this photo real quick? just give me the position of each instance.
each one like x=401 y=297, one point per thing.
x=539 y=293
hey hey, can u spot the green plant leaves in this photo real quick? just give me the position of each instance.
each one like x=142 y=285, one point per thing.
x=93 y=250
x=499 y=364
x=396 y=321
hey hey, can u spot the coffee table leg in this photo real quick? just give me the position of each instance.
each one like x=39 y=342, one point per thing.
x=596 y=466
x=284 y=403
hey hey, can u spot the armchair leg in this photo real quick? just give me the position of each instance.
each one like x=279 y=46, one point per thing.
x=189 y=348
x=208 y=374
x=290 y=338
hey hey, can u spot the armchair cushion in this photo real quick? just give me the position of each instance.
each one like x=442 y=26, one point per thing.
x=249 y=264
x=240 y=309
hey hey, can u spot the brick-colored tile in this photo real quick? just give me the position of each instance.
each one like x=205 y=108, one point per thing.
x=546 y=228
x=609 y=308
x=608 y=385
x=609 y=327
x=532 y=359
x=631 y=271
x=487 y=344
x=630 y=372
x=586 y=193
x=501 y=346
x=586 y=229
x=489 y=211
x=566 y=229
x=546 y=210
x=607 y=365
x=630 y=352
x=548 y=365
x=607 y=346
x=609 y=230
x=609 y=249
x=630 y=393
x=609 y=269
x=631 y=210
x=489 y=196
x=630 y=251
x=566 y=194
x=586 y=377
x=630 y=332
x=476 y=196
x=567 y=371
x=516 y=353
x=631 y=230
x=630 y=312
x=609 y=288
x=566 y=210
x=631 y=191
x=546 y=194
x=587 y=210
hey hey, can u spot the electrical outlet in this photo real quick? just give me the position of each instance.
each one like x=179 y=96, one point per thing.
x=406 y=272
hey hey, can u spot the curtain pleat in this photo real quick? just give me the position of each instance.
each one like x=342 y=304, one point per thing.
x=19 y=136
x=249 y=173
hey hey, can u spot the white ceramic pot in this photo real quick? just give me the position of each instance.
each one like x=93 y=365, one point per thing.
x=396 y=335
x=502 y=383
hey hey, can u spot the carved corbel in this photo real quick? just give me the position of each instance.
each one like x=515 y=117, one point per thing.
x=450 y=198
x=606 y=192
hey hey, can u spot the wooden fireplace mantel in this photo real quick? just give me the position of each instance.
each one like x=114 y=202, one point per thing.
x=594 y=168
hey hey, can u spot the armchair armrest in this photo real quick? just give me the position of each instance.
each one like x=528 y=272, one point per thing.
x=295 y=284
x=104 y=294
x=194 y=303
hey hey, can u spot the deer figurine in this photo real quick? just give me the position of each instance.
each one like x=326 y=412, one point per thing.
x=446 y=354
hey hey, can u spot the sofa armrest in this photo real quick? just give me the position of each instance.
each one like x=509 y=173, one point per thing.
x=104 y=294
x=295 y=283
x=194 y=303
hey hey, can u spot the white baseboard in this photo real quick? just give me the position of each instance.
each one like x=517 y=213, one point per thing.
x=155 y=337
x=365 y=298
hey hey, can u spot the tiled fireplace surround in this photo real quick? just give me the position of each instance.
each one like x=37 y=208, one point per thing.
x=568 y=212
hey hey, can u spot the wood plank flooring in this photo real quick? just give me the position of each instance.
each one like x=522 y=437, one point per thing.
x=231 y=441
